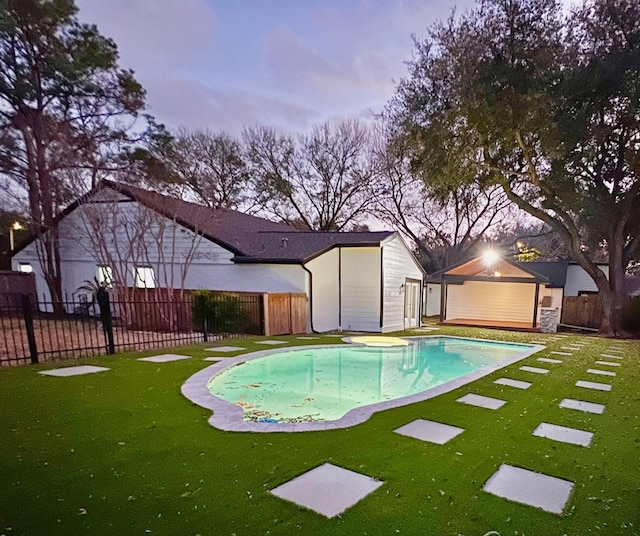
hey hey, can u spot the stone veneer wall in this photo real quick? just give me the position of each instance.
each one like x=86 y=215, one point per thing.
x=549 y=320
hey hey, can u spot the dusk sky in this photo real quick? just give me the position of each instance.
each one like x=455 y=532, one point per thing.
x=226 y=64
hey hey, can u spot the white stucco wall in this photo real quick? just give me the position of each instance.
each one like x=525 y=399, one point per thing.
x=324 y=296
x=509 y=302
x=398 y=266
x=360 y=284
x=580 y=281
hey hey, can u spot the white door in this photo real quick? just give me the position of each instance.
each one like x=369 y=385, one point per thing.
x=411 y=304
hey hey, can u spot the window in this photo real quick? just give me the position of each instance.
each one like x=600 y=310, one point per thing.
x=144 y=277
x=25 y=267
x=104 y=275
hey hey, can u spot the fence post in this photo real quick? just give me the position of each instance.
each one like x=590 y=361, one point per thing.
x=264 y=310
x=205 y=328
x=27 y=310
x=105 y=316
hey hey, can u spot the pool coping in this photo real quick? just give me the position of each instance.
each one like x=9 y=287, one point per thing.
x=227 y=416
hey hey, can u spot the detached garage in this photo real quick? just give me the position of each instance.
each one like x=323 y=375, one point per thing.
x=497 y=293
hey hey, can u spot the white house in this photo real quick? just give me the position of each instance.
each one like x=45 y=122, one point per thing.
x=364 y=281
x=505 y=293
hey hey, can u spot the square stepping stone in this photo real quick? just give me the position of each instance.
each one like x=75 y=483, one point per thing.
x=225 y=349
x=581 y=405
x=307 y=338
x=549 y=360
x=334 y=335
x=601 y=372
x=615 y=350
x=561 y=353
x=164 y=358
x=535 y=370
x=328 y=489
x=513 y=383
x=609 y=356
x=482 y=401
x=527 y=487
x=73 y=371
x=273 y=342
x=431 y=431
x=574 y=348
x=607 y=363
x=563 y=434
x=214 y=359
x=593 y=385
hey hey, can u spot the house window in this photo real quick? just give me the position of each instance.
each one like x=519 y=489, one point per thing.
x=145 y=277
x=104 y=275
x=25 y=267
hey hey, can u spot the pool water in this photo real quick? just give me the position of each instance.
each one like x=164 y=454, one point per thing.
x=323 y=384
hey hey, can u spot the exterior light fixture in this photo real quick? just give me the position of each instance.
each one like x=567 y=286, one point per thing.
x=15 y=226
x=490 y=257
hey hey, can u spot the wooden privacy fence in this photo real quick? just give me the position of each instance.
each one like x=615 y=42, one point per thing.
x=13 y=285
x=586 y=311
x=582 y=311
x=285 y=313
x=265 y=314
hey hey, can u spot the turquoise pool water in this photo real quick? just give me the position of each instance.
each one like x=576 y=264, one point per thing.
x=323 y=384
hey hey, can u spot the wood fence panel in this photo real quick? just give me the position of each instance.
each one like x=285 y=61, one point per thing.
x=13 y=285
x=582 y=311
x=299 y=313
x=285 y=313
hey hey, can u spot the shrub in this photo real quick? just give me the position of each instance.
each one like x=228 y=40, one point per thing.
x=222 y=311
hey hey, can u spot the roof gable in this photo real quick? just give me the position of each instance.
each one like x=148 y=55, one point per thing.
x=502 y=268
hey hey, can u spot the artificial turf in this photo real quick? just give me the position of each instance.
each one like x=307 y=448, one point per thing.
x=124 y=453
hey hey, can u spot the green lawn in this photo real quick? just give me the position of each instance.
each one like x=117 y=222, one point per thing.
x=124 y=453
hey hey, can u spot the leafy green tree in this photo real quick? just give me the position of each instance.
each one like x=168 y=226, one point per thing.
x=66 y=111
x=546 y=106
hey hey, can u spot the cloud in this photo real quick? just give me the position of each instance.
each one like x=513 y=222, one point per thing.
x=195 y=105
x=215 y=64
x=152 y=34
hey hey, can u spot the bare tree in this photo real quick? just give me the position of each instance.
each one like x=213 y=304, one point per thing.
x=209 y=166
x=446 y=225
x=321 y=180
x=127 y=236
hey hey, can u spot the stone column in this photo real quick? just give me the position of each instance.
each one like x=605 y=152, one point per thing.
x=549 y=319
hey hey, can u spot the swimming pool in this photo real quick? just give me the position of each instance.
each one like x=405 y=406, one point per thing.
x=334 y=386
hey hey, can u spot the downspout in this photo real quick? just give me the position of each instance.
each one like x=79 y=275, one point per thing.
x=310 y=297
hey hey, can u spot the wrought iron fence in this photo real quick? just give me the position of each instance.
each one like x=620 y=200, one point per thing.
x=33 y=331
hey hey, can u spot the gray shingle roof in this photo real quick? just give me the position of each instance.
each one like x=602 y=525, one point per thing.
x=251 y=238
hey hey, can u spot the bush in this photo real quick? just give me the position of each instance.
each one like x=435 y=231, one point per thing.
x=222 y=311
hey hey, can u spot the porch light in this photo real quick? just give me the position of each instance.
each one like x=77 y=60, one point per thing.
x=496 y=274
x=15 y=226
x=490 y=257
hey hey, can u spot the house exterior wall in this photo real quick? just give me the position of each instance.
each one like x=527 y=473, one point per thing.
x=207 y=266
x=398 y=265
x=324 y=295
x=580 y=281
x=509 y=302
x=432 y=295
x=360 y=288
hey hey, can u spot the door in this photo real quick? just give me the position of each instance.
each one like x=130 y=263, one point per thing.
x=411 y=303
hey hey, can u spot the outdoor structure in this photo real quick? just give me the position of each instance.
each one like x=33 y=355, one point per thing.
x=364 y=281
x=502 y=293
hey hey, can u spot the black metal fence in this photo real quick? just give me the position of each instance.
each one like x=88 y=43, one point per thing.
x=32 y=331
